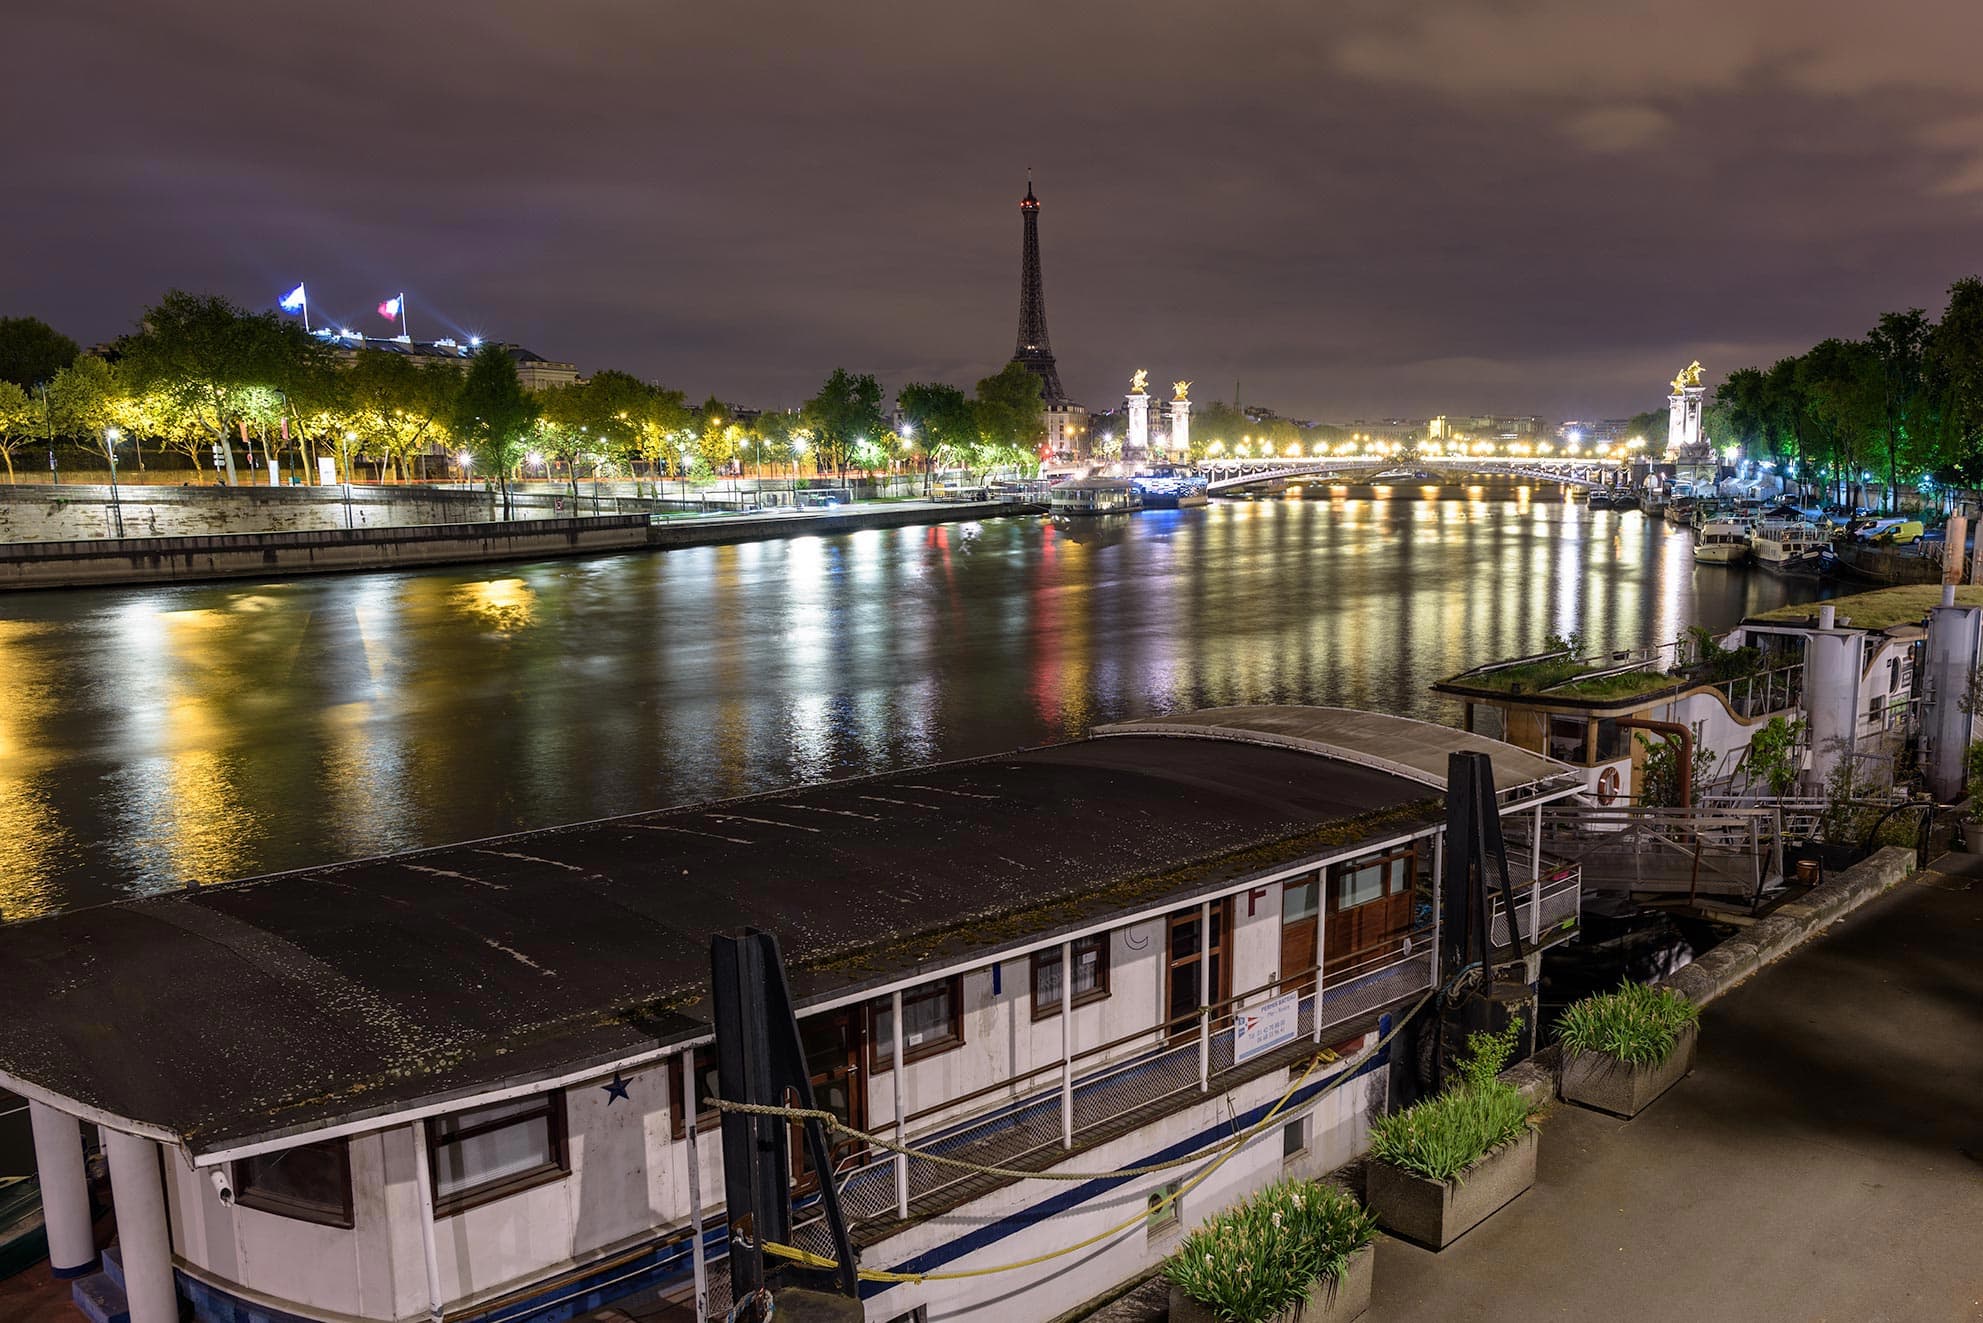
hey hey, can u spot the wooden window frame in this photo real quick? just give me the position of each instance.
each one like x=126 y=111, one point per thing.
x=1100 y=992
x=246 y=1196
x=1407 y=854
x=878 y=1044
x=557 y=1169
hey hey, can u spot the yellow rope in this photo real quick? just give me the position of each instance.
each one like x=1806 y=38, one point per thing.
x=808 y=1259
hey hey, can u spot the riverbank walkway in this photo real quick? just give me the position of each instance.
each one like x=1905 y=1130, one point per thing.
x=1824 y=1161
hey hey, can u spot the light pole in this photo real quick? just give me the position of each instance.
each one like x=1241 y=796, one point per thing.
x=110 y=435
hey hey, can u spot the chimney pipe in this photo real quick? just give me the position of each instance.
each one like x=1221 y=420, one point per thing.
x=1827 y=616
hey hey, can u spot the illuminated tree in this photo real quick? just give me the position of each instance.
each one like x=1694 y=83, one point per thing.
x=493 y=415
x=1899 y=345
x=400 y=406
x=83 y=403
x=942 y=427
x=1953 y=363
x=206 y=355
x=20 y=421
x=846 y=410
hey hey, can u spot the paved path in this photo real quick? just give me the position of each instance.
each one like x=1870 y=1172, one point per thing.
x=1823 y=1162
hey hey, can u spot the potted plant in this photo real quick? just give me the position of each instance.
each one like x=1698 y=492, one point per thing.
x=1623 y=1049
x=1297 y=1249
x=1442 y=1166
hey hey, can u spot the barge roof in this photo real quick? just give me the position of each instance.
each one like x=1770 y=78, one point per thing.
x=253 y=1011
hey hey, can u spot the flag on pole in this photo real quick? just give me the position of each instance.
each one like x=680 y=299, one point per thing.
x=295 y=300
x=390 y=308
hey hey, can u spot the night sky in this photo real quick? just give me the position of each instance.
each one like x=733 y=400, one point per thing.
x=1360 y=209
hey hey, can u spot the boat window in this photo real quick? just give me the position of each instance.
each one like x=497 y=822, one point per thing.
x=310 y=1183
x=1300 y=900
x=1566 y=739
x=494 y=1151
x=1091 y=975
x=1365 y=880
x=1612 y=742
x=932 y=1021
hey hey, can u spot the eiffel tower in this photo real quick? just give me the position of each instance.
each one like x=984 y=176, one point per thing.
x=1033 y=349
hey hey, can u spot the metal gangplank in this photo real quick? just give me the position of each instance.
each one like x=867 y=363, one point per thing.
x=1723 y=852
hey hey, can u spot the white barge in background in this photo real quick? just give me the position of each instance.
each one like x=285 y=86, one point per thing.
x=460 y=1083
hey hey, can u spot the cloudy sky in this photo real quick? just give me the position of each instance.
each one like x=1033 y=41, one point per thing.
x=1354 y=208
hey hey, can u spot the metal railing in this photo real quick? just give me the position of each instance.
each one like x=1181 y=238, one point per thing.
x=1774 y=690
x=1705 y=850
x=1546 y=910
x=1188 y=1057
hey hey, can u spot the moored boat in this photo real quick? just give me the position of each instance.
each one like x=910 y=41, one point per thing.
x=1723 y=542
x=1092 y=496
x=1789 y=546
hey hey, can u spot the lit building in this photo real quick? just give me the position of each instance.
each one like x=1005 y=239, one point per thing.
x=534 y=370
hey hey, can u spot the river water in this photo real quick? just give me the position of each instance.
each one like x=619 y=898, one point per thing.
x=152 y=736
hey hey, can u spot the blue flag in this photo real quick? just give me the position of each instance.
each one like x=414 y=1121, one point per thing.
x=295 y=300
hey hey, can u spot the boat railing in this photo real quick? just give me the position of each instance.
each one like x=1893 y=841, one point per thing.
x=1026 y=1120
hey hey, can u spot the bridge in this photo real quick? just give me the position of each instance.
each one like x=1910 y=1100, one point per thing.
x=1230 y=474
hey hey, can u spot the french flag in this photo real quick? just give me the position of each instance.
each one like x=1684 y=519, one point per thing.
x=390 y=308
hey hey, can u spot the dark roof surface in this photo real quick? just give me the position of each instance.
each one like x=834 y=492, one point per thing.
x=263 y=1008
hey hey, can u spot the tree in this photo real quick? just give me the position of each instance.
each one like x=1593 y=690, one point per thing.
x=205 y=353
x=32 y=351
x=1899 y=344
x=493 y=415
x=20 y=418
x=1953 y=367
x=398 y=405
x=1009 y=412
x=83 y=403
x=941 y=426
x=846 y=411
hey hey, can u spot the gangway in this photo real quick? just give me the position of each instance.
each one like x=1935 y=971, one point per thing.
x=1729 y=853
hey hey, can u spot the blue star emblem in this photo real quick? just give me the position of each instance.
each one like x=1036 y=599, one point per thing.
x=616 y=1089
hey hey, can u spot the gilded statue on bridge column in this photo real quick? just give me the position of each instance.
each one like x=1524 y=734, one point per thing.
x=1689 y=376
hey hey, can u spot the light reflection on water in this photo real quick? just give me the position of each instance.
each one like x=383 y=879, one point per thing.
x=212 y=731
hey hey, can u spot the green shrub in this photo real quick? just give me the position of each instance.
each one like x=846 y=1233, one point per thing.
x=1444 y=1135
x=1636 y=1024
x=1251 y=1262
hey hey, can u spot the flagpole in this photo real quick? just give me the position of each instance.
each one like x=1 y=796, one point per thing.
x=405 y=328
x=306 y=307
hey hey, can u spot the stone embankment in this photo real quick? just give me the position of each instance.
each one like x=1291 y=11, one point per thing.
x=100 y=561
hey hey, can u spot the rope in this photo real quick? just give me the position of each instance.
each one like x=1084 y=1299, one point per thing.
x=808 y=1259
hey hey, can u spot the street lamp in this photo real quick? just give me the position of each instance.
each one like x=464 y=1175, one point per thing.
x=110 y=436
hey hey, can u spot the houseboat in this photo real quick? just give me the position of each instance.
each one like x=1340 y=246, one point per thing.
x=1093 y=496
x=1722 y=542
x=1789 y=546
x=1877 y=678
x=471 y=1083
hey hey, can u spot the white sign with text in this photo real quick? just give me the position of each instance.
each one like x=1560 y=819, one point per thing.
x=1269 y=1025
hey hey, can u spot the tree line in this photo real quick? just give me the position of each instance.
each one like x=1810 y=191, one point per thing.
x=202 y=379
x=1902 y=403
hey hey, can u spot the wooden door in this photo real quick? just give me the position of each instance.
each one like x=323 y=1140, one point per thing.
x=834 y=1052
x=1300 y=925
x=1185 y=952
x=1369 y=912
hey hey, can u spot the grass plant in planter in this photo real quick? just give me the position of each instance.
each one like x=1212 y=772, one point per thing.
x=1442 y=1166
x=1296 y=1249
x=1623 y=1049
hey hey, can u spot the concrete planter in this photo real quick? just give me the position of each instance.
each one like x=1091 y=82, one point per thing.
x=1607 y=1084
x=1437 y=1213
x=1330 y=1300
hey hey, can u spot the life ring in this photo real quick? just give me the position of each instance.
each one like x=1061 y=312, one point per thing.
x=1607 y=786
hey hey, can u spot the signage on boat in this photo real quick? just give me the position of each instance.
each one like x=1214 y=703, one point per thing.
x=1263 y=1028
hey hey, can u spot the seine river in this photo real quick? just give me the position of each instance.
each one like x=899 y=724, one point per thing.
x=153 y=736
